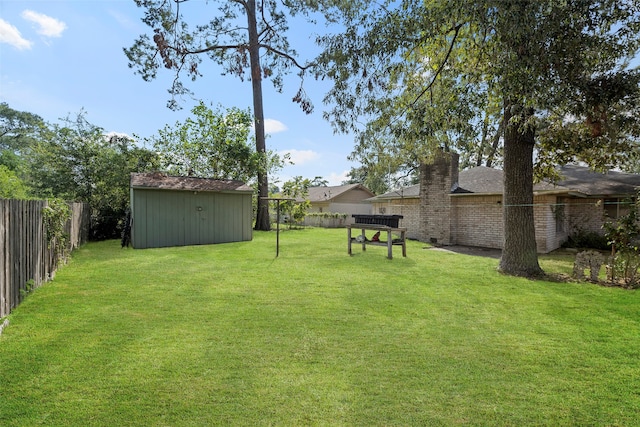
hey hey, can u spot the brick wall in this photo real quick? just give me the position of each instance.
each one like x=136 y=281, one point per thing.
x=477 y=221
x=585 y=215
x=409 y=208
x=548 y=210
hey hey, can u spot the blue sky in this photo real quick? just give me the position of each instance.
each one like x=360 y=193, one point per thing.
x=59 y=57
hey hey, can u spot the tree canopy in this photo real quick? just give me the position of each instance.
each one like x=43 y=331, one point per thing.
x=11 y=186
x=18 y=129
x=77 y=161
x=547 y=75
x=212 y=144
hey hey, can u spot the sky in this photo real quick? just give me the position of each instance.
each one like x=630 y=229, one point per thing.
x=58 y=58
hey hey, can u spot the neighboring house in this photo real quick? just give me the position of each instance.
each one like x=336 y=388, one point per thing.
x=179 y=211
x=465 y=208
x=347 y=199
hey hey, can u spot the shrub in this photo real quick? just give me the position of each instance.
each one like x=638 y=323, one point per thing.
x=325 y=219
x=583 y=239
x=622 y=233
x=55 y=216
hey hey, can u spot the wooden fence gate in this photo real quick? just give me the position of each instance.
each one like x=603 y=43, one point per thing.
x=26 y=258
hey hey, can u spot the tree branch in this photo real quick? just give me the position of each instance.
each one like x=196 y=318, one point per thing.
x=444 y=62
x=215 y=47
x=287 y=56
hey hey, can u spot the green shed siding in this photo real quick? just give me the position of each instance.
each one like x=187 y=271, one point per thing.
x=178 y=218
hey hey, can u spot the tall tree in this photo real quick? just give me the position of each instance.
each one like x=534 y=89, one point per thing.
x=243 y=37
x=559 y=68
x=298 y=190
x=213 y=144
x=11 y=186
x=19 y=131
x=370 y=176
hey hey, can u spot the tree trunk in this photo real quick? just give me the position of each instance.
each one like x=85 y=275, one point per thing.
x=262 y=214
x=519 y=255
x=494 y=146
x=483 y=141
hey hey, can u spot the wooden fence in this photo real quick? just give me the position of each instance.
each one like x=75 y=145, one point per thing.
x=26 y=258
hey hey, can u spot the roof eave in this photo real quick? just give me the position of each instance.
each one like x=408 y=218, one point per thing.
x=194 y=190
x=558 y=192
x=474 y=194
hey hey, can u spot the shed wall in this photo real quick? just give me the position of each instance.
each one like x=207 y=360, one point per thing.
x=178 y=218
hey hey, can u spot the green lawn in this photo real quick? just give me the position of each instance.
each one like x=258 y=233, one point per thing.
x=230 y=335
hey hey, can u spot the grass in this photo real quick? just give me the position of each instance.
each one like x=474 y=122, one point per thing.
x=230 y=335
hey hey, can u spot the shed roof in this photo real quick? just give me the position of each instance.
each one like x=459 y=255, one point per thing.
x=162 y=181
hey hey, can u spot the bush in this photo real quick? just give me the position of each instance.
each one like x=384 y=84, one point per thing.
x=623 y=269
x=327 y=215
x=623 y=234
x=583 y=239
x=325 y=219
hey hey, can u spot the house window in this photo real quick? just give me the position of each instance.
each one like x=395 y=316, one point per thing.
x=612 y=208
x=559 y=216
x=320 y=209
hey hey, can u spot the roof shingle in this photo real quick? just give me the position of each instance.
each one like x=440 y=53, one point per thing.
x=162 y=181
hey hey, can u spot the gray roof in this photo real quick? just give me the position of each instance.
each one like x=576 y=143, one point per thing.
x=586 y=181
x=162 y=181
x=326 y=194
x=574 y=179
x=482 y=179
x=410 y=192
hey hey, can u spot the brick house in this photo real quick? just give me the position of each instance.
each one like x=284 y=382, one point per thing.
x=465 y=208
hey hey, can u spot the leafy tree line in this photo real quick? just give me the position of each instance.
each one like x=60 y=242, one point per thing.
x=76 y=160
x=72 y=160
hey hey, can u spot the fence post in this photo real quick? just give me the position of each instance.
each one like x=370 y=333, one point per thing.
x=4 y=259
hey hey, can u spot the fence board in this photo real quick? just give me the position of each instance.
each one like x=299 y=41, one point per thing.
x=25 y=254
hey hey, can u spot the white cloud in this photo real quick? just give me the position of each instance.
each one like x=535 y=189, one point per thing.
x=123 y=20
x=272 y=126
x=300 y=157
x=47 y=26
x=111 y=134
x=10 y=35
x=337 y=178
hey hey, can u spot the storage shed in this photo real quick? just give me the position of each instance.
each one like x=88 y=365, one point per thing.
x=180 y=211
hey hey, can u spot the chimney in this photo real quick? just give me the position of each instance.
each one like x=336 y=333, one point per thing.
x=437 y=179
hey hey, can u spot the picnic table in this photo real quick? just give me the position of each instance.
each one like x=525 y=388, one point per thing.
x=390 y=243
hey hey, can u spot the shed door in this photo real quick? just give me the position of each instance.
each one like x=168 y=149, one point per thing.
x=200 y=218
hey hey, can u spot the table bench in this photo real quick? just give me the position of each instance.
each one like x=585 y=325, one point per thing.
x=381 y=228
